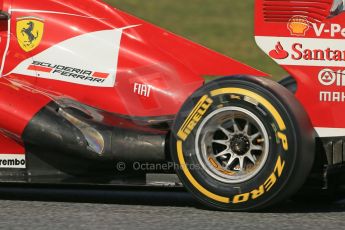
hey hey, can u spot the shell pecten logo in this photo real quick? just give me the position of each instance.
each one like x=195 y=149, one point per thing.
x=298 y=26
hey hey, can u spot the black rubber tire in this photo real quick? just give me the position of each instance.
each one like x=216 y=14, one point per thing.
x=288 y=164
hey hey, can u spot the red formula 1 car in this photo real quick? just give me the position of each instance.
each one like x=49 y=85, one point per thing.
x=86 y=90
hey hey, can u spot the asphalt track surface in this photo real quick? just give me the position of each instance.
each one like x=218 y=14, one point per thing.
x=33 y=208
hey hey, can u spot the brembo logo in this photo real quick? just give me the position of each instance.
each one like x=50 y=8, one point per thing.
x=328 y=77
x=12 y=161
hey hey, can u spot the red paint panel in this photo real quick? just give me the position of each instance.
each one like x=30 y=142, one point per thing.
x=18 y=105
x=323 y=99
x=39 y=68
x=145 y=51
x=100 y=75
x=9 y=146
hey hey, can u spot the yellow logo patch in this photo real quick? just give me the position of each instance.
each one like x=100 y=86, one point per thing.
x=29 y=33
x=194 y=117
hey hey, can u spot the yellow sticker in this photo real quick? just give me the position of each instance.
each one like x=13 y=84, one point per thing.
x=191 y=179
x=194 y=117
x=256 y=97
x=29 y=32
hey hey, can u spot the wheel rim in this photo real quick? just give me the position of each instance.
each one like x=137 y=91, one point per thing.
x=232 y=145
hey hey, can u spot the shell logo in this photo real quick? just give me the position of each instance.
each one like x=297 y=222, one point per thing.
x=298 y=26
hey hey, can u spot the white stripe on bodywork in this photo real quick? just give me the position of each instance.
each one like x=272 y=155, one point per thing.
x=267 y=44
x=7 y=47
x=330 y=132
x=50 y=12
x=96 y=51
x=30 y=11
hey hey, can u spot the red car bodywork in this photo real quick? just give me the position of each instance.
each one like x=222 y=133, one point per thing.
x=91 y=53
x=309 y=44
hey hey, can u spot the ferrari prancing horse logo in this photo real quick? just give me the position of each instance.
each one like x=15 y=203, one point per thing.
x=29 y=32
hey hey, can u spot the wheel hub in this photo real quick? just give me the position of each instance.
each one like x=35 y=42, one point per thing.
x=240 y=144
x=232 y=144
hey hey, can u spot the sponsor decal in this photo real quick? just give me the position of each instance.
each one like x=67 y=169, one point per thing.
x=142 y=89
x=329 y=77
x=301 y=53
x=29 y=32
x=328 y=54
x=194 y=117
x=304 y=51
x=12 y=161
x=217 y=166
x=66 y=71
x=77 y=60
x=265 y=187
x=278 y=52
x=328 y=96
x=298 y=26
x=331 y=30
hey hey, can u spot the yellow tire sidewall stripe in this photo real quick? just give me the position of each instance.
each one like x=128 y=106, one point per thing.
x=191 y=179
x=255 y=96
x=238 y=91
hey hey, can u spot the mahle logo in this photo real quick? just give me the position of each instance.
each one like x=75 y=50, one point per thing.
x=329 y=77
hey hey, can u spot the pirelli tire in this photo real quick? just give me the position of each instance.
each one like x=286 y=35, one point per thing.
x=242 y=143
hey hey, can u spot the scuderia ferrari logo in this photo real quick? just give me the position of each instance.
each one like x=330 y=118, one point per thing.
x=29 y=32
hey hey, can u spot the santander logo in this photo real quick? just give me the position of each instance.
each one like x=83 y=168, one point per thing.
x=298 y=52
x=304 y=51
x=279 y=52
